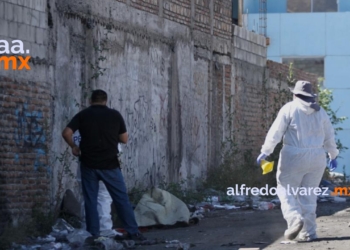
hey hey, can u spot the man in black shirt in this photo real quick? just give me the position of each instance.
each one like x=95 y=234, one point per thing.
x=101 y=128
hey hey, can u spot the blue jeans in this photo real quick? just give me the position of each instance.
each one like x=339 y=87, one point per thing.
x=114 y=182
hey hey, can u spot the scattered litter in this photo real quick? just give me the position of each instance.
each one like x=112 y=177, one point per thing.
x=128 y=244
x=79 y=235
x=51 y=246
x=276 y=201
x=227 y=207
x=109 y=244
x=265 y=205
x=179 y=246
x=172 y=241
x=47 y=239
x=288 y=242
x=339 y=199
x=61 y=225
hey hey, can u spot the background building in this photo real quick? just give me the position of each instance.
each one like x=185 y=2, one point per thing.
x=314 y=35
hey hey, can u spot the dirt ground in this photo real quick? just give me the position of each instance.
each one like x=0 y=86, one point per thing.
x=253 y=229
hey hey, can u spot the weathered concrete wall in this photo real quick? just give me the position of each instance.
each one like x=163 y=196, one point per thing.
x=175 y=69
x=161 y=76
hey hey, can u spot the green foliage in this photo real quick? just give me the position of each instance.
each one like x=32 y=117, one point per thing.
x=325 y=98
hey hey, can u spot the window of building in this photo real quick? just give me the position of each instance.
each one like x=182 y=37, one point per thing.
x=311 y=65
x=312 y=6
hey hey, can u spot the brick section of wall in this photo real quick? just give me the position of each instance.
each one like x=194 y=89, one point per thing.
x=228 y=82
x=24 y=176
x=202 y=15
x=178 y=11
x=24 y=113
x=151 y=6
x=277 y=69
x=255 y=107
x=223 y=18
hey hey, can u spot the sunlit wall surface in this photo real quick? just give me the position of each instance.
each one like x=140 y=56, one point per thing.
x=319 y=37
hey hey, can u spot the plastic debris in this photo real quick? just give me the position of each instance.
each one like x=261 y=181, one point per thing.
x=172 y=242
x=339 y=199
x=128 y=244
x=79 y=235
x=179 y=246
x=227 y=207
x=288 y=242
x=61 y=225
x=51 y=246
x=265 y=205
x=46 y=239
x=108 y=244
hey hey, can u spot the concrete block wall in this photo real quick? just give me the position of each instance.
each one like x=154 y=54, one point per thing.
x=25 y=114
x=249 y=47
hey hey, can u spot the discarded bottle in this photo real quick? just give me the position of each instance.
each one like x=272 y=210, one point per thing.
x=265 y=205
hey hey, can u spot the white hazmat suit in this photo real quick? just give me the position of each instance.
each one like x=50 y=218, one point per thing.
x=306 y=133
x=104 y=200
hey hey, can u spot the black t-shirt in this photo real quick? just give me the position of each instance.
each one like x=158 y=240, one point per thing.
x=99 y=127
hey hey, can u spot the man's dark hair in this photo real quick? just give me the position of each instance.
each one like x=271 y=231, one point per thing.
x=98 y=96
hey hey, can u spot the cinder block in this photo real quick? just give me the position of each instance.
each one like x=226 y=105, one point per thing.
x=27 y=15
x=9 y=11
x=40 y=5
x=31 y=33
x=4 y=28
x=23 y=32
x=18 y=14
x=39 y=35
x=21 y=2
x=43 y=20
x=35 y=19
x=13 y=30
x=2 y=10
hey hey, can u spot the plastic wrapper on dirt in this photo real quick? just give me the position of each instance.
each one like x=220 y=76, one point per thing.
x=79 y=235
x=265 y=205
x=109 y=244
x=46 y=239
x=178 y=246
x=51 y=246
x=62 y=225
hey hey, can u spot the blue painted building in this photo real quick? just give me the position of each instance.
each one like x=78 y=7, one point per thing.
x=315 y=36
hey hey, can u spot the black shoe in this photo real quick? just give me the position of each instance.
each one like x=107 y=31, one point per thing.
x=137 y=237
x=134 y=237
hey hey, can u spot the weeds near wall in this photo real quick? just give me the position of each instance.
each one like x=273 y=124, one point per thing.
x=100 y=48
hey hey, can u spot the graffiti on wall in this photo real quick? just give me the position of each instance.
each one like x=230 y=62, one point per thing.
x=30 y=135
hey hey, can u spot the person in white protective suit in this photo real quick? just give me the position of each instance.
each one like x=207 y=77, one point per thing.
x=104 y=201
x=307 y=133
